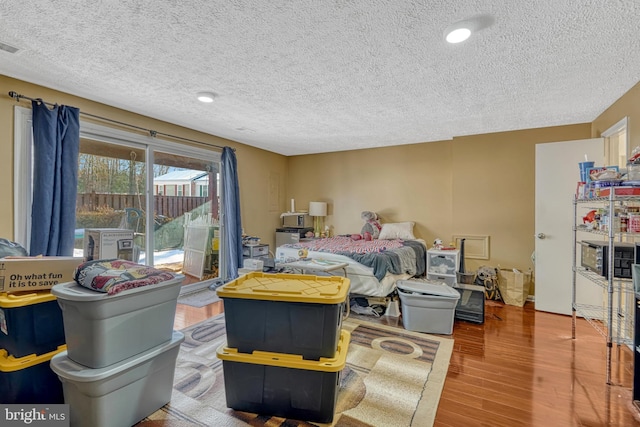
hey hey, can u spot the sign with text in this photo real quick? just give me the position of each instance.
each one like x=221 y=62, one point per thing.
x=36 y=415
x=19 y=274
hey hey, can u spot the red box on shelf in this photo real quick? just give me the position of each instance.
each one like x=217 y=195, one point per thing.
x=620 y=191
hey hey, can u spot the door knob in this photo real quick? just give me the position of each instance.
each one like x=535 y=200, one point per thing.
x=540 y=236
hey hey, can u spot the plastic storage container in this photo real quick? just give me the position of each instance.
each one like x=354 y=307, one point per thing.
x=29 y=379
x=121 y=394
x=283 y=385
x=285 y=313
x=427 y=307
x=103 y=329
x=30 y=323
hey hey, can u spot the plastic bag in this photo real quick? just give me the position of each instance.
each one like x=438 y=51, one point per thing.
x=9 y=248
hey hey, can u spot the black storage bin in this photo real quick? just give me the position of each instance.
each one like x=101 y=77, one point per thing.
x=29 y=379
x=30 y=323
x=471 y=303
x=283 y=385
x=285 y=313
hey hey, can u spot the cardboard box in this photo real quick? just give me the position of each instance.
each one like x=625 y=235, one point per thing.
x=619 y=191
x=596 y=170
x=108 y=243
x=35 y=274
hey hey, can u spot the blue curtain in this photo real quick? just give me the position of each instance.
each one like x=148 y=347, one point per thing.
x=56 y=142
x=231 y=207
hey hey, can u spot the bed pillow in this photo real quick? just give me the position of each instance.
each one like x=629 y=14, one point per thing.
x=397 y=230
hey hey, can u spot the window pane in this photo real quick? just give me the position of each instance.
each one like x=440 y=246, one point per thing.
x=616 y=149
x=186 y=229
x=111 y=183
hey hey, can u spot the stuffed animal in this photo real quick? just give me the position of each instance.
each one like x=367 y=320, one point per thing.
x=371 y=228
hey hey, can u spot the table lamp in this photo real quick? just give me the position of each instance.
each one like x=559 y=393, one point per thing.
x=318 y=210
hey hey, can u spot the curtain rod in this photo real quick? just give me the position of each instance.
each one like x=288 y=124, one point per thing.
x=151 y=132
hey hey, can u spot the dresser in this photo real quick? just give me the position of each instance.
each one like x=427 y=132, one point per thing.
x=442 y=265
x=260 y=250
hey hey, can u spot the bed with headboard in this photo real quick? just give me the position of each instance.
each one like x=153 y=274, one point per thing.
x=374 y=264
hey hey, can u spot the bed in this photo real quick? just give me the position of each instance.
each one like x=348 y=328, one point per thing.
x=374 y=266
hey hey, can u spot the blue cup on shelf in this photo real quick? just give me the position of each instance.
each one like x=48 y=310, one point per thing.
x=584 y=170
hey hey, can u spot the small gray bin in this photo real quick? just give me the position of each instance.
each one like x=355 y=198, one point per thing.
x=427 y=307
x=121 y=394
x=102 y=329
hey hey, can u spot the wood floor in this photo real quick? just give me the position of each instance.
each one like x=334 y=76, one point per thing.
x=521 y=368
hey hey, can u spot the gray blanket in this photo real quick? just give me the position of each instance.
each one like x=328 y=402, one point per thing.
x=394 y=261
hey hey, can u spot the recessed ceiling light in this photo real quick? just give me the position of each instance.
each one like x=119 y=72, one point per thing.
x=206 y=97
x=462 y=30
x=458 y=35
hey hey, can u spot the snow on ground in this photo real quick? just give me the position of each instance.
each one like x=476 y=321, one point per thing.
x=160 y=257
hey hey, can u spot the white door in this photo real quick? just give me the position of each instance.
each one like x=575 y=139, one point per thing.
x=557 y=175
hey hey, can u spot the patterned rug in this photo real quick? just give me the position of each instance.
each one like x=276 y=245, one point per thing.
x=199 y=298
x=393 y=377
x=198 y=294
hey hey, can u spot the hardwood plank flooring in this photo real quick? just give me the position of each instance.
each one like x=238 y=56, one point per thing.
x=520 y=368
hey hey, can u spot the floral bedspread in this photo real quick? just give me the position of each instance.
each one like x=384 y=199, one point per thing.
x=116 y=275
x=341 y=244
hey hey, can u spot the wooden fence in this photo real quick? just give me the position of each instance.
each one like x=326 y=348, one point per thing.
x=169 y=206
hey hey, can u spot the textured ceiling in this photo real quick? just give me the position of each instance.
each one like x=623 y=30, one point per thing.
x=311 y=76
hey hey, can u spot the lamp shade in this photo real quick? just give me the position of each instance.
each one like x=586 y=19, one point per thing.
x=317 y=209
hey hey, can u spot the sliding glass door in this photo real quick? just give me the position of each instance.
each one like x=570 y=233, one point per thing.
x=186 y=214
x=164 y=195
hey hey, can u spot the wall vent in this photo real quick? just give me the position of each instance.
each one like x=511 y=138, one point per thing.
x=8 y=48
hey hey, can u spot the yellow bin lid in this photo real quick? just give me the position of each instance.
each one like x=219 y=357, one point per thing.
x=288 y=288
x=294 y=361
x=25 y=298
x=12 y=363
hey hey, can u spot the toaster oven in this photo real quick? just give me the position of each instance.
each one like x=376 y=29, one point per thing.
x=595 y=257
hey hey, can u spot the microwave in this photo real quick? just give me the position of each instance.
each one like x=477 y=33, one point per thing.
x=296 y=221
x=595 y=257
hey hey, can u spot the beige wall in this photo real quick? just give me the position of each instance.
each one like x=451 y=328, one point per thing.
x=253 y=164
x=377 y=180
x=628 y=105
x=473 y=185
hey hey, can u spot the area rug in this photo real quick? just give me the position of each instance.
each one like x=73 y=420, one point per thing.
x=393 y=377
x=197 y=295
